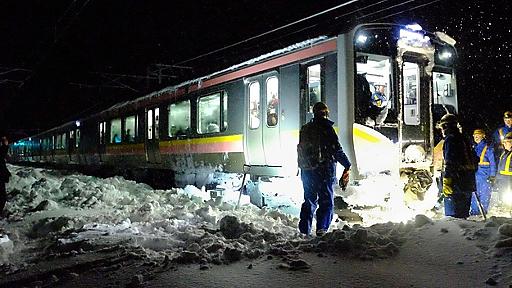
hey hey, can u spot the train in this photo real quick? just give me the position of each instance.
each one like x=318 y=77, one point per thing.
x=246 y=118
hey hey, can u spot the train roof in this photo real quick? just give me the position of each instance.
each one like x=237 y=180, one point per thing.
x=170 y=89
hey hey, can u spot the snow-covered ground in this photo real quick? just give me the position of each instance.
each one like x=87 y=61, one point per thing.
x=65 y=229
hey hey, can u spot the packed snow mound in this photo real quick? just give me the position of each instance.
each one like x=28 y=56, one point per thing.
x=59 y=214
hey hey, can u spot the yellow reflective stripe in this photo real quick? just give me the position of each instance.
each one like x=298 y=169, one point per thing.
x=366 y=136
x=506 y=170
x=482 y=156
x=501 y=134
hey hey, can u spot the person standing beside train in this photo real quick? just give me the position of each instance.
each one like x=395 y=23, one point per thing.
x=504 y=175
x=458 y=171
x=485 y=173
x=4 y=172
x=500 y=133
x=318 y=151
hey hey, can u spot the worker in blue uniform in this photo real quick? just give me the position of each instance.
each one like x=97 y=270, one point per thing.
x=318 y=151
x=504 y=175
x=499 y=134
x=485 y=173
x=459 y=166
x=378 y=110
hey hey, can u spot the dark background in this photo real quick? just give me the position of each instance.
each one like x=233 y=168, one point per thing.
x=61 y=60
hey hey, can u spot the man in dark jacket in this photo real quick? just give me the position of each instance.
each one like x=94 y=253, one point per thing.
x=458 y=169
x=318 y=151
x=4 y=172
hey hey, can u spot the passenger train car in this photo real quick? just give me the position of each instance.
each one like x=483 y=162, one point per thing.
x=247 y=117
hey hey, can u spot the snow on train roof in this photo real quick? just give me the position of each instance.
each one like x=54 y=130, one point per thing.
x=288 y=49
x=282 y=51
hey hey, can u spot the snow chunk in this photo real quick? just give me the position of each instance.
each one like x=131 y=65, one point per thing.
x=505 y=229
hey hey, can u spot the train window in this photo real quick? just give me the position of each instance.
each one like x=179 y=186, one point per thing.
x=179 y=118
x=115 y=131
x=58 y=144
x=314 y=85
x=77 y=138
x=373 y=99
x=224 y=111
x=72 y=142
x=130 y=129
x=209 y=108
x=254 y=105
x=411 y=94
x=150 y=124
x=64 y=141
x=102 y=130
x=157 y=122
x=272 y=101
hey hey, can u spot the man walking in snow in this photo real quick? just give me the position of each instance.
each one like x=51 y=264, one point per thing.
x=4 y=172
x=458 y=169
x=318 y=150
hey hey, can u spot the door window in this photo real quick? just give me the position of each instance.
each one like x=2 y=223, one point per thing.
x=254 y=105
x=150 y=124
x=411 y=94
x=272 y=101
x=102 y=130
x=314 y=88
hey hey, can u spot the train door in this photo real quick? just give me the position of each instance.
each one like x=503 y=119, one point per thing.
x=416 y=125
x=152 y=146
x=262 y=137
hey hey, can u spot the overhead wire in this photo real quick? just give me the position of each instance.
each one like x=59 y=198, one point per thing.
x=269 y=32
x=314 y=25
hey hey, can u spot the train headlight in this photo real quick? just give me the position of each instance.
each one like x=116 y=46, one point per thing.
x=445 y=55
x=414 y=27
x=361 y=38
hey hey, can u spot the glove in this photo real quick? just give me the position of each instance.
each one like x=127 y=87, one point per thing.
x=447 y=187
x=344 y=179
x=491 y=179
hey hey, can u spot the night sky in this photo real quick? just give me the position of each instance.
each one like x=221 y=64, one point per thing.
x=60 y=60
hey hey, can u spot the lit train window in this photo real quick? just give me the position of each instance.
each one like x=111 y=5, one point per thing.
x=254 y=105
x=157 y=121
x=179 y=118
x=411 y=94
x=102 y=130
x=77 y=140
x=150 y=124
x=58 y=144
x=272 y=101
x=115 y=131
x=209 y=109
x=314 y=85
x=130 y=129
x=64 y=142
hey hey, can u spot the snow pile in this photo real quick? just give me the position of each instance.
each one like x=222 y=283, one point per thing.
x=76 y=213
x=54 y=215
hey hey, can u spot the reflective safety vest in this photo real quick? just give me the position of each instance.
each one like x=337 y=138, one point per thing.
x=504 y=165
x=482 y=161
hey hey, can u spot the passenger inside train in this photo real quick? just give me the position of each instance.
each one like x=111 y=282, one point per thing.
x=374 y=106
